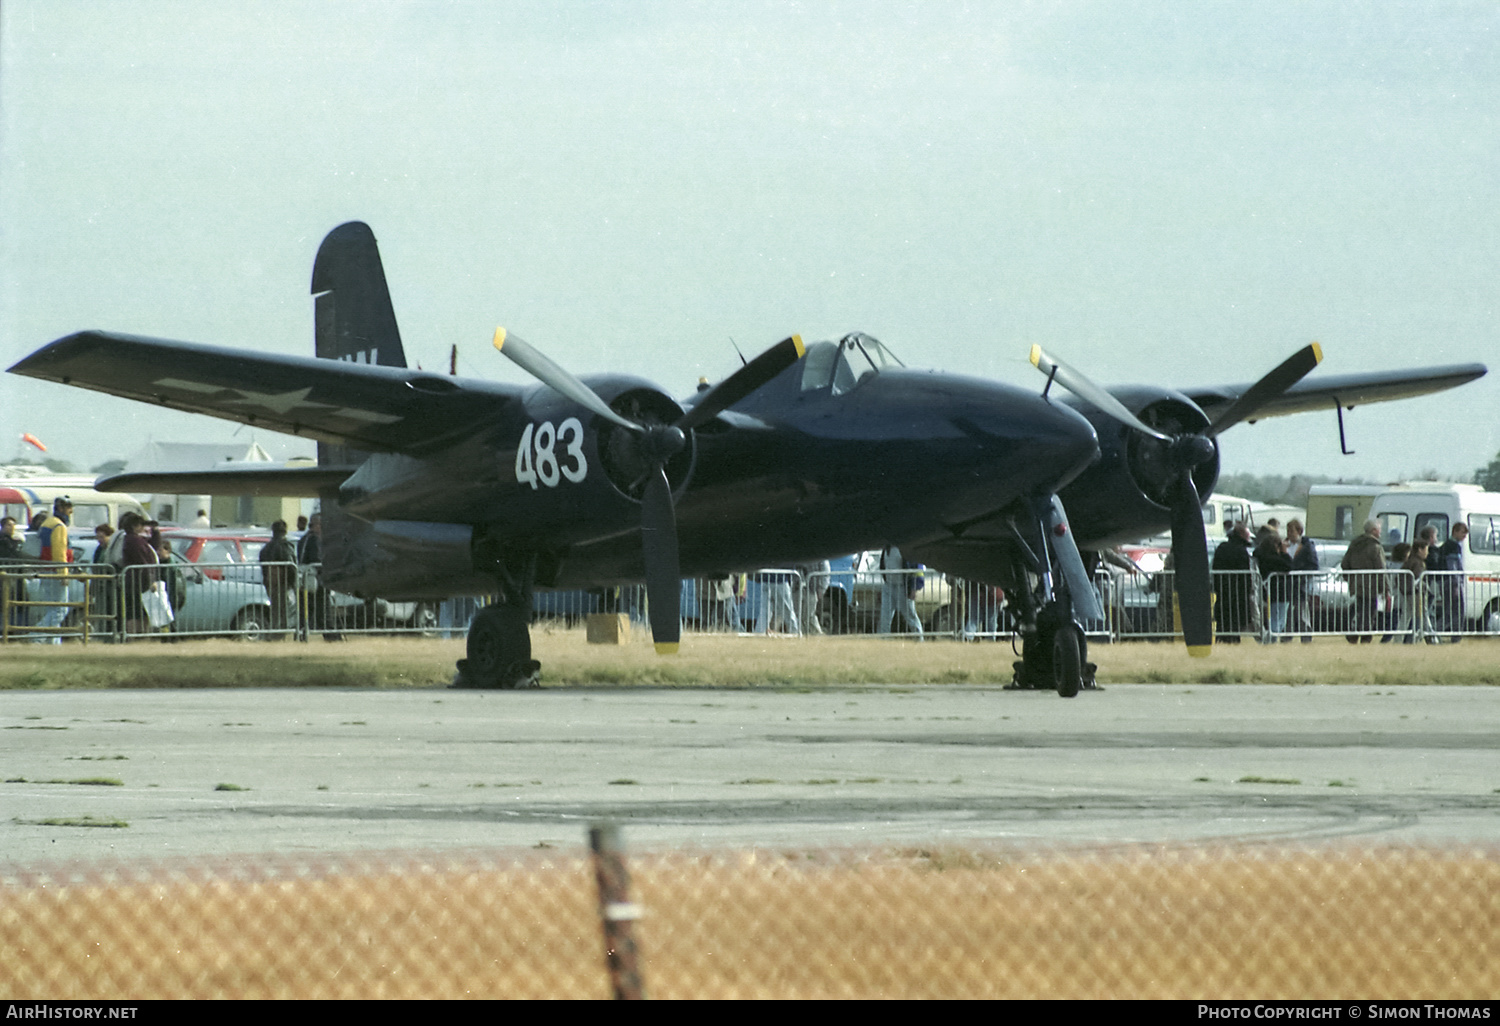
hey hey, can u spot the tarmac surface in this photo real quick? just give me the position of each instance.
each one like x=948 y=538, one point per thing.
x=303 y=771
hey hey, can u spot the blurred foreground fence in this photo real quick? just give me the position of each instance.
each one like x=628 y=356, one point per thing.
x=1247 y=922
x=233 y=599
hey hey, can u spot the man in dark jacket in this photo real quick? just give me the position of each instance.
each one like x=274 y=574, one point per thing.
x=1304 y=561
x=1275 y=566
x=1232 y=584
x=1364 y=556
x=310 y=551
x=1451 y=559
x=278 y=574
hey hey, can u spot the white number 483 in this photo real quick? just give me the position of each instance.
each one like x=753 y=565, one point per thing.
x=536 y=456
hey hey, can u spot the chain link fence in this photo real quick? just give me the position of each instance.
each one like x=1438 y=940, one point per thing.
x=1228 y=923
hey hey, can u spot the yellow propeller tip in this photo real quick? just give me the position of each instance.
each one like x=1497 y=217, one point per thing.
x=499 y=338
x=666 y=647
x=1200 y=651
x=1317 y=352
x=1036 y=356
x=801 y=349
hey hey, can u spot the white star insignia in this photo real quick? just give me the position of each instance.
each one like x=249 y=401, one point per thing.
x=277 y=402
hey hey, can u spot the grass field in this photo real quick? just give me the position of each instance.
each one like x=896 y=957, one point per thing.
x=723 y=661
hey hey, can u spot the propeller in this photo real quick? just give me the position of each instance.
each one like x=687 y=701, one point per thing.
x=1177 y=457
x=658 y=444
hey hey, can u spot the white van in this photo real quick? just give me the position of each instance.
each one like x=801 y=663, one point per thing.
x=1402 y=511
x=90 y=508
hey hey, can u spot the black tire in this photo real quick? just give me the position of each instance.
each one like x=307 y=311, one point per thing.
x=1067 y=660
x=499 y=649
x=252 y=623
x=426 y=619
x=833 y=613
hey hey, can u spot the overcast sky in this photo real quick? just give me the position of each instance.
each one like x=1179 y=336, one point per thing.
x=1175 y=193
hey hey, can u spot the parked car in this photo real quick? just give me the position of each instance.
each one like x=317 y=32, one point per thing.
x=218 y=546
x=230 y=545
x=203 y=604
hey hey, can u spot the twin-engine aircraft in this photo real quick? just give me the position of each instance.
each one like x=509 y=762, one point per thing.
x=433 y=486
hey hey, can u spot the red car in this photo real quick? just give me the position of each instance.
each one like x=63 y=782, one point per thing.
x=217 y=545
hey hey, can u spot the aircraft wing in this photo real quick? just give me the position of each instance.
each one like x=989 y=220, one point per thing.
x=264 y=479
x=370 y=407
x=1347 y=390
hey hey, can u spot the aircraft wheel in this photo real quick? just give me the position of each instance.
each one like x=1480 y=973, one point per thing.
x=499 y=650
x=1067 y=660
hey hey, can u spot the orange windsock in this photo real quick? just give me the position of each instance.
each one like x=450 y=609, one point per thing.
x=28 y=437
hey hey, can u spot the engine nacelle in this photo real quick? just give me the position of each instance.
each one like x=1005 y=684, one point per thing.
x=1124 y=495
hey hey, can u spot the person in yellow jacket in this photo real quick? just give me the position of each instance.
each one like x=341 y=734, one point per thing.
x=53 y=587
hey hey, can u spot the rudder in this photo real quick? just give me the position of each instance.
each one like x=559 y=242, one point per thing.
x=354 y=317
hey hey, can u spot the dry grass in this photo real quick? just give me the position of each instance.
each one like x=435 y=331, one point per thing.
x=946 y=924
x=724 y=661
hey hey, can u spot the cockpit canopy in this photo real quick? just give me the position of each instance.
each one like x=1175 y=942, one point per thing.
x=840 y=366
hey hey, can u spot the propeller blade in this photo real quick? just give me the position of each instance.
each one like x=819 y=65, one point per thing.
x=557 y=378
x=663 y=576
x=1081 y=386
x=1190 y=560
x=1269 y=387
x=744 y=381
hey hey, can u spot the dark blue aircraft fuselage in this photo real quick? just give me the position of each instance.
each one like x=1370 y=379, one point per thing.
x=784 y=476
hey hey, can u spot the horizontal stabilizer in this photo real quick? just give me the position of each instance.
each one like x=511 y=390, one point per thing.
x=306 y=482
x=366 y=406
x=1320 y=392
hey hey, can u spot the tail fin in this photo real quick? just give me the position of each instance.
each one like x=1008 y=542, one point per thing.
x=354 y=319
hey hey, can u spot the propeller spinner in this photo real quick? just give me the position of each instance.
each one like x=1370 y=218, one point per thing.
x=658 y=444
x=1178 y=455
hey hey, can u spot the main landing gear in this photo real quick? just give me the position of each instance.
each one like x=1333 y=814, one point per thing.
x=499 y=650
x=1054 y=658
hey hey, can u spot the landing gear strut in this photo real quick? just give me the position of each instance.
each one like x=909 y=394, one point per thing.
x=1054 y=658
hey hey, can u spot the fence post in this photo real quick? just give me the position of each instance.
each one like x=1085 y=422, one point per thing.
x=616 y=911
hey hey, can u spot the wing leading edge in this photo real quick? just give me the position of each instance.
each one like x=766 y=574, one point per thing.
x=367 y=406
x=276 y=481
x=1347 y=390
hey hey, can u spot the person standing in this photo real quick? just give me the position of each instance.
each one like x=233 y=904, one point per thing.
x=1232 y=584
x=776 y=605
x=1304 y=562
x=1275 y=566
x=897 y=593
x=10 y=552
x=310 y=558
x=137 y=552
x=277 y=573
x=1363 y=557
x=1451 y=561
x=812 y=585
x=53 y=586
x=1416 y=618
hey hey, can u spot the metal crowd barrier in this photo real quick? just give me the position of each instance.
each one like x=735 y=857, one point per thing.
x=1386 y=604
x=92 y=602
x=39 y=603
